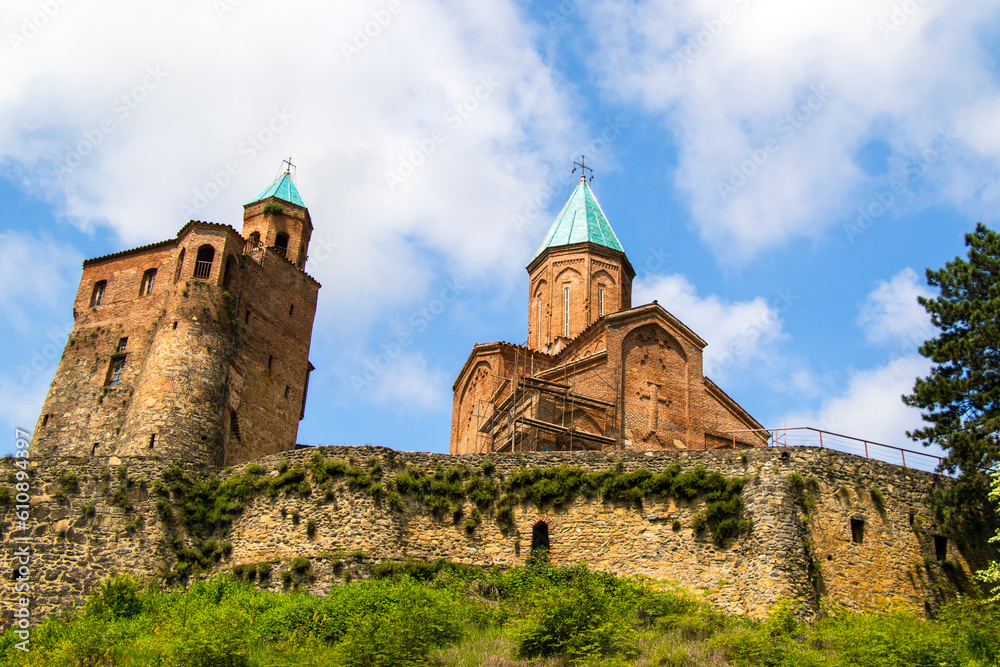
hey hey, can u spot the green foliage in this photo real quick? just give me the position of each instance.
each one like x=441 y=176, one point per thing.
x=960 y=398
x=878 y=499
x=273 y=207
x=311 y=528
x=580 y=620
x=418 y=613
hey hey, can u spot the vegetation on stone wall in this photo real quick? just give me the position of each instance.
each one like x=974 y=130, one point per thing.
x=447 y=614
x=198 y=513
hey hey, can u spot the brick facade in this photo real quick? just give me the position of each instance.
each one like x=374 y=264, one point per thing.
x=596 y=372
x=191 y=349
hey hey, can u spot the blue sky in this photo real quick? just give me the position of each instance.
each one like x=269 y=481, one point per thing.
x=780 y=174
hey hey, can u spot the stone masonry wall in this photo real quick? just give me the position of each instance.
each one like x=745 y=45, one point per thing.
x=800 y=545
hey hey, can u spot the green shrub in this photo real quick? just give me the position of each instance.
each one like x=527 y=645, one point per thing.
x=311 y=528
x=580 y=620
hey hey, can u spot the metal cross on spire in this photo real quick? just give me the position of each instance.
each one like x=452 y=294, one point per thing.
x=582 y=164
x=288 y=169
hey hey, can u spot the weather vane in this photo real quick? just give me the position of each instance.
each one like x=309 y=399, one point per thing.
x=582 y=164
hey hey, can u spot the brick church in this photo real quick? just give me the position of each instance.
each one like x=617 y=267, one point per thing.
x=191 y=349
x=596 y=373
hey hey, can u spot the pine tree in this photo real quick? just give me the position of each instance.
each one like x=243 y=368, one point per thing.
x=960 y=398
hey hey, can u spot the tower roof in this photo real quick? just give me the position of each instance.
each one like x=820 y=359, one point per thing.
x=283 y=188
x=581 y=220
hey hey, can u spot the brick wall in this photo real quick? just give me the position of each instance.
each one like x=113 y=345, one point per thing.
x=195 y=363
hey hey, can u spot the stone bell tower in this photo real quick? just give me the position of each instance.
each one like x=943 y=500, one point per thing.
x=191 y=349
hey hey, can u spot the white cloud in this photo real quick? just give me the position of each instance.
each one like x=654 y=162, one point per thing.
x=890 y=315
x=772 y=103
x=35 y=274
x=404 y=381
x=736 y=331
x=148 y=104
x=870 y=406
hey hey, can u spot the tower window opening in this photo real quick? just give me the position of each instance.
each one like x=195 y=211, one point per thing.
x=255 y=239
x=270 y=360
x=291 y=309
x=600 y=302
x=234 y=424
x=281 y=244
x=540 y=540
x=940 y=548
x=45 y=420
x=286 y=391
x=175 y=324
x=566 y=311
x=246 y=320
x=148 y=279
x=203 y=262
x=227 y=275
x=858 y=531
x=97 y=297
x=122 y=344
x=180 y=265
x=93 y=450
x=152 y=440
x=115 y=370
x=539 y=322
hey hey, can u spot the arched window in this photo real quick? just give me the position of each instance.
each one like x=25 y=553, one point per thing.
x=148 y=278
x=281 y=244
x=566 y=311
x=227 y=277
x=203 y=263
x=180 y=265
x=255 y=239
x=97 y=296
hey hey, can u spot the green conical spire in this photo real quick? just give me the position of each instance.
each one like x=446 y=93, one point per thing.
x=283 y=188
x=580 y=220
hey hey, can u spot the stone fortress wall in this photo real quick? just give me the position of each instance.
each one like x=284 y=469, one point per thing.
x=826 y=527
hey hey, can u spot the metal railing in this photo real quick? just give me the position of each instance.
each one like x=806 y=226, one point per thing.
x=807 y=436
x=202 y=269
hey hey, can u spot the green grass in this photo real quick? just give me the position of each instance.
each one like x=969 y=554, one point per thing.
x=446 y=614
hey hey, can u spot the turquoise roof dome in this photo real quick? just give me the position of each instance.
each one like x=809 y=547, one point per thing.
x=581 y=220
x=283 y=188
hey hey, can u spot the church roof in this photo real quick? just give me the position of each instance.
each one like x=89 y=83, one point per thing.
x=581 y=220
x=283 y=188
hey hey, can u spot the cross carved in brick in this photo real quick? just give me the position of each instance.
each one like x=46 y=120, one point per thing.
x=655 y=401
